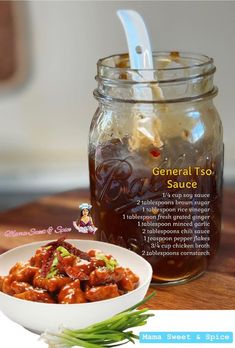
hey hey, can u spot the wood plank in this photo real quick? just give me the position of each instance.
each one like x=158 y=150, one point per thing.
x=211 y=291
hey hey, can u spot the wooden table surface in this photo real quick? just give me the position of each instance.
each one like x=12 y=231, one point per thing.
x=214 y=290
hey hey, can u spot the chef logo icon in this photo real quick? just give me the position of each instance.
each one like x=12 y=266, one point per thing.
x=84 y=223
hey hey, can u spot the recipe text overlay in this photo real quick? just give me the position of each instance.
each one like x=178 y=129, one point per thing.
x=190 y=173
x=173 y=226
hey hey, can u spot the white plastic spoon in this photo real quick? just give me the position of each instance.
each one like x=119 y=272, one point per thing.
x=140 y=55
x=139 y=46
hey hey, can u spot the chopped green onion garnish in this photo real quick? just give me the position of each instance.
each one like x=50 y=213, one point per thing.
x=110 y=264
x=53 y=270
x=64 y=252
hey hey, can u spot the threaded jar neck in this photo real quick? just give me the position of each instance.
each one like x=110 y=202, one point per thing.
x=176 y=77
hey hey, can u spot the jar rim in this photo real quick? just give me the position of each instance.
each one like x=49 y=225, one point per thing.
x=102 y=62
x=178 y=76
x=169 y=66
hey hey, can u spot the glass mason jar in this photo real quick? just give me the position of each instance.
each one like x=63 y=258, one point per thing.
x=156 y=162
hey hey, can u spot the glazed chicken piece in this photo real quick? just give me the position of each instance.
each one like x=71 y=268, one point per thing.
x=75 y=267
x=19 y=287
x=99 y=293
x=36 y=295
x=130 y=280
x=1 y=282
x=23 y=272
x=11 y=286
x=65 y=262
x=103 y=275
x=52 y=284
x=97 y=263
x=37 y=259
x=72 y=293
x=6 y=284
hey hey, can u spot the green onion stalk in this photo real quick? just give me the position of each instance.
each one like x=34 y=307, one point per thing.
x=111 y=332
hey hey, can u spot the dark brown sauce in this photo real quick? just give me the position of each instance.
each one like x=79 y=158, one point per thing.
x=120 y=180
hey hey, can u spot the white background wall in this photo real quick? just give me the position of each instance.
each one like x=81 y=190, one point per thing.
x=44 y=125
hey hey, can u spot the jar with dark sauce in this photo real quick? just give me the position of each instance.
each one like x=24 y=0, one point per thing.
x=156 y=162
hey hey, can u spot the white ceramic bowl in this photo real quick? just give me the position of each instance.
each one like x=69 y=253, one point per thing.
x=41 y=316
